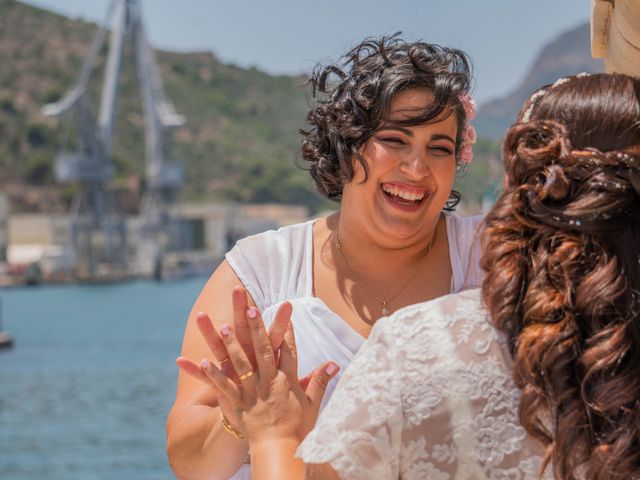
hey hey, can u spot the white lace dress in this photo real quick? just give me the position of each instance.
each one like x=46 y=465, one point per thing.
x=429 y=396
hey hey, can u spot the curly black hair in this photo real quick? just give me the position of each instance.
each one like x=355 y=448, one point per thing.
x=354 y=99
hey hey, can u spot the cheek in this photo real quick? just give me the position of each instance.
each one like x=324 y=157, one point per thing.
x=376 y=162
x=353 y=188
x=445 y=172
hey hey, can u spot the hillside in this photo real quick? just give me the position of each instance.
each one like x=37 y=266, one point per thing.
x=241 y=133
x=568 y=54
x=239 y=143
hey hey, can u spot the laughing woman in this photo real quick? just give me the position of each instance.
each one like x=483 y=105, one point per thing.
x=388 y=133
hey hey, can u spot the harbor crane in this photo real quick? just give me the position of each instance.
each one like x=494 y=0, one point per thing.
x=97 y=227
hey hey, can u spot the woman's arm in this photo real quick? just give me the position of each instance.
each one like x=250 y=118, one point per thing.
x=197 y=444
x=276 y=461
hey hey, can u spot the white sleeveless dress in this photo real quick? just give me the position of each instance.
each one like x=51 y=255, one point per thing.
x=275 y=266
x=429 y=396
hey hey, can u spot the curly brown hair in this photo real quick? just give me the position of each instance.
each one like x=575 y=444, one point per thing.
x=561 y=252
x=354 y=99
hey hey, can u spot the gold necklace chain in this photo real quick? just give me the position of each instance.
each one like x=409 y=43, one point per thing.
x=383 y=301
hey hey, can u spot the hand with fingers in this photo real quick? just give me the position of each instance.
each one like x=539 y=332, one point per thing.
x=274 y=408
x=219 y=351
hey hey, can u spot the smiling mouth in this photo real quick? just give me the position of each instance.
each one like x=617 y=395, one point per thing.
x=402 y=196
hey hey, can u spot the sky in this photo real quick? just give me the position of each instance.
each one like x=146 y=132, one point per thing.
x=503 y=37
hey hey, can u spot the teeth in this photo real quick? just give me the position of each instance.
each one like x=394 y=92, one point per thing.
x=397 y=192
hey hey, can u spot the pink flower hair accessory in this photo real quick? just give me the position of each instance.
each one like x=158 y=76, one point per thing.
x=469 y=105
x=469 y=135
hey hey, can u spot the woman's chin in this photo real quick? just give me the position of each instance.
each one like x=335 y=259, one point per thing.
x=398 y=231
x=408 y=221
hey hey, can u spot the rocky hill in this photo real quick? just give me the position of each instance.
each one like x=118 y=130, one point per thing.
x=568 y=54
x=239 y=142
x=241 y=136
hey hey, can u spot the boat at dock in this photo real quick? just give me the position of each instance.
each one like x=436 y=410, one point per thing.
x=6 y=340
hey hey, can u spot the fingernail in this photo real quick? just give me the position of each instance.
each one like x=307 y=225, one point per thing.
x=225 y=330
x=252 y=312
x=331 y=369
x=205 y=364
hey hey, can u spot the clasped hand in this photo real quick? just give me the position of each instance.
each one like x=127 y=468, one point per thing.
x=256 y=377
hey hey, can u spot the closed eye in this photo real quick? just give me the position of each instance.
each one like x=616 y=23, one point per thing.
x=441 y=150
x=392 y=140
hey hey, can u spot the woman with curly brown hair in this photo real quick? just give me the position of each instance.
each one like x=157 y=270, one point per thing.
x=563 y=273
x=535 y=375
x=385 y=139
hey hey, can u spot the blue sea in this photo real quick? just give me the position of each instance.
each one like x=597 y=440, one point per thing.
x=85 y=390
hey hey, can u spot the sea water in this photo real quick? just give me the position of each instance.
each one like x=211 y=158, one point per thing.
x=86 y=388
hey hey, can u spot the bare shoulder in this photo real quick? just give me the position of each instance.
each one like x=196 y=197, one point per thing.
x=215 y=296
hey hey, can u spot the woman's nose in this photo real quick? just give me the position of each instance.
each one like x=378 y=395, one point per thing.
x=416 y=164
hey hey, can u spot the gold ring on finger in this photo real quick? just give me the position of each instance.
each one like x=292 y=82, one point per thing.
x=249 y=374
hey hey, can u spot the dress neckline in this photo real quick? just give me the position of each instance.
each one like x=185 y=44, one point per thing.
x=311 y=291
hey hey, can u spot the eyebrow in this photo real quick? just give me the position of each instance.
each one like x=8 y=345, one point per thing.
x=406 y=131
x=442 y=136
x=409 y=133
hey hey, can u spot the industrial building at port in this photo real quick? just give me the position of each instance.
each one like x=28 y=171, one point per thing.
x=28 y=240
x=37 y=248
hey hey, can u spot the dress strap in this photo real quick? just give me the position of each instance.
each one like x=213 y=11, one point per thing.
x=275 y=265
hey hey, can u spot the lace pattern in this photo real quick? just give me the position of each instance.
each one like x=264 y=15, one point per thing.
x=430 y=395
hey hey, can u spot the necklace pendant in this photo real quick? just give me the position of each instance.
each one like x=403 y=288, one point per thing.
x=385 y=310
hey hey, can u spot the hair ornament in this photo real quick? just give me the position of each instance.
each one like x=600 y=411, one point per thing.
x=535 y=98
x=626 y=180
x=469 y=135
x=634 y=180
x=560 y=81
x=632 y=172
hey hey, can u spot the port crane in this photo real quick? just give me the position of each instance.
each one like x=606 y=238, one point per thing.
x=98 y=229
